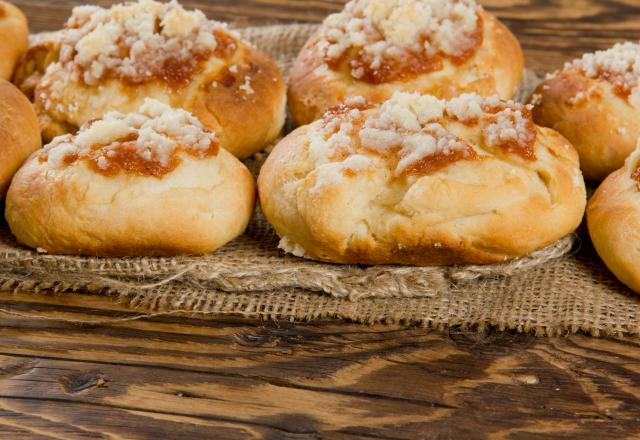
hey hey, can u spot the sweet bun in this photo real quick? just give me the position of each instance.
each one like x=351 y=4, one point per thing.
x=14 y=34
x=422 y=181
x=594 y=102
x=613 y=217
x=148 y=183
x=19 y=133
x=376 y=47
x=112 y=59
x=44 y=49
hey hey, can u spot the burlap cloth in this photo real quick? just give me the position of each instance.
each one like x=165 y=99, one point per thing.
x=564 y=288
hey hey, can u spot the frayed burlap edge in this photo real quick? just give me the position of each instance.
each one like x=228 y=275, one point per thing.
x=295 y=305
x=234 y=272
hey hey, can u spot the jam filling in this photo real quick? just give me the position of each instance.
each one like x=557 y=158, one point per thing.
x=621 y=85
x=176 y=71
x=390 y=136
x=524 y=149
x=124 y=156
x=438 y=161
x=407 y=65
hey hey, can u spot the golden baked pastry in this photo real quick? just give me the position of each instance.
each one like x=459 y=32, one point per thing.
x=422 y=181
x=14 y=34
x=613 y=217
x=112 y=59
x=154 y=182
x=376 y=47
x=19 y=132
x=594 y=101
x=44 y=49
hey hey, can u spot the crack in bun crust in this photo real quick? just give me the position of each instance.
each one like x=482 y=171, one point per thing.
x=44 y=49
x=337 y=190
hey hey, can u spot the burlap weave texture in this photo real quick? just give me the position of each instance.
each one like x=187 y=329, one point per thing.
x=553 y=291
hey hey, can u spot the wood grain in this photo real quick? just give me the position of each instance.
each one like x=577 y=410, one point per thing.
x=192 y=378
x=183 y=377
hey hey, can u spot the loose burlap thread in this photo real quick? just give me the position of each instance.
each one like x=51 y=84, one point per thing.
x=563 y=288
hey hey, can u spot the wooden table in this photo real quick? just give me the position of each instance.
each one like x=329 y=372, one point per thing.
x=180 y=377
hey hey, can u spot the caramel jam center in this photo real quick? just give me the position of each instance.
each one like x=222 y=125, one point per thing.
x=408 y=64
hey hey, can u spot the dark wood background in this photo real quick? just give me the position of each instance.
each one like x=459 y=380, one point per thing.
x=182 y=377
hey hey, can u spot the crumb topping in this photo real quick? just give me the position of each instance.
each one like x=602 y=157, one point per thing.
x=139 y=41
x=143 y=143
x=619 y=65
x=413 y=132
x=387 y=40
x=246 y=86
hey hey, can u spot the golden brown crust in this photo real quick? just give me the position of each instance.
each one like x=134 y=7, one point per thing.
x=43 y=51
x=14 y=34
x=19 y=133
x=241 y=98
x=244 y=120
x=613 y=217
x=195 y=209
x=471 y=212
x=496 y=68
x=602 y=125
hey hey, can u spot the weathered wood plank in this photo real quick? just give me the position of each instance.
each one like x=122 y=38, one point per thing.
x=237 y=378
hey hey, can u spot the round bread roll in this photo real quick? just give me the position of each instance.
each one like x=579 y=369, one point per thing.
x=112 y=59
x=595 y=103
x=422 y=181
x=151 y=183
x=376 y=47
x=14 y=34
x=19 y=132
x=613 y=217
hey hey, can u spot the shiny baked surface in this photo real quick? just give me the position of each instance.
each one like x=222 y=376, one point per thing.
x=613 y=216
x=594 y=101
x=373 y=48
x=153 y=182
x=422 y=181
x=113 y=58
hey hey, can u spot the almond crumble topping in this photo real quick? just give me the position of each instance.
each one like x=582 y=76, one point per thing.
x=144 y=143
x=140 y=40
x=619 y=65
x=393 y=39
x=412 y=133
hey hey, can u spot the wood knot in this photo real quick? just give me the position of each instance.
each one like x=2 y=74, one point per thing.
x=77 y=382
